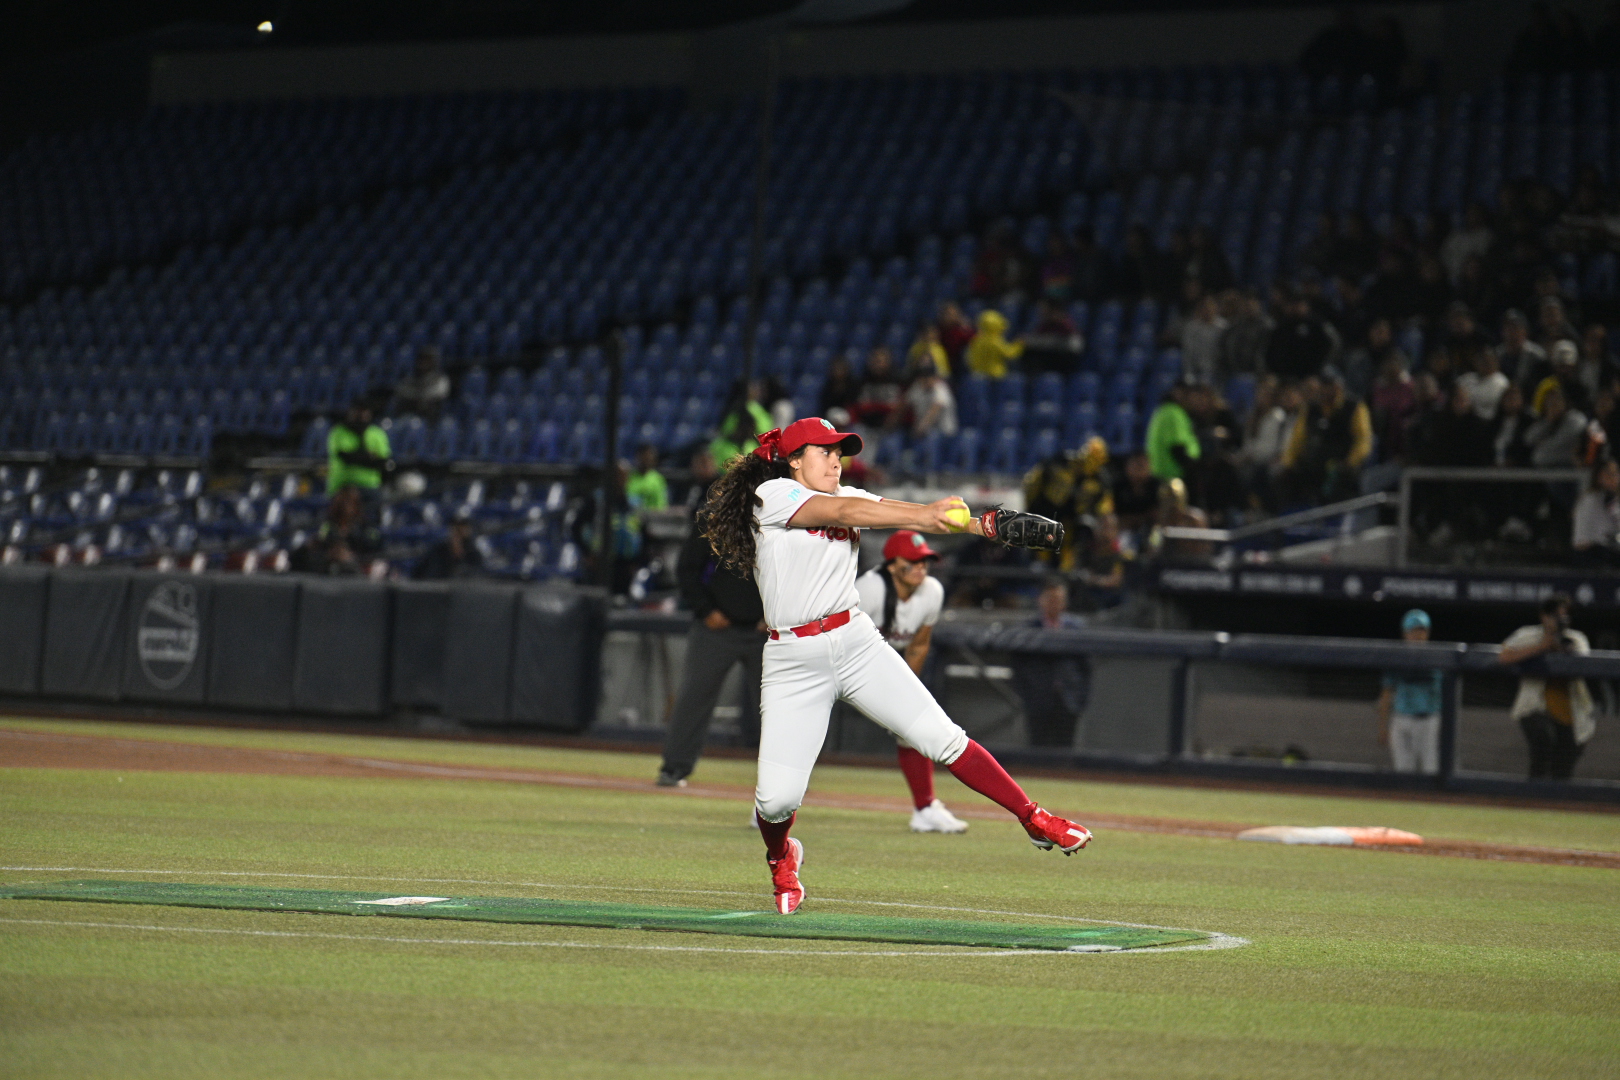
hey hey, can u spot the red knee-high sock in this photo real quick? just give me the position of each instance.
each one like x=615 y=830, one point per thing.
x=919 y=773
x=984 y=774
x=776 y=835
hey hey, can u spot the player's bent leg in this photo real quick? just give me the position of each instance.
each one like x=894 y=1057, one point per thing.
x=883 y=687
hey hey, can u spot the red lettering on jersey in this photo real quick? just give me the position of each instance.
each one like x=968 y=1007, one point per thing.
x=837 y=534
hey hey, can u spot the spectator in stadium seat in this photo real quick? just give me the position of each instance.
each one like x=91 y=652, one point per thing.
x=882 y=392
x=1471 y=240
x=990 y=352
x=955 y=334
x=1603 y=426
x=927 y=351
x=1552 y=324
x=1330 y=442
x=1276 y=410
x=1513 y=420
x=1053 y=687
x=840 y=388
x=1102 y=564
x=1564 y=375
x=1054 y=343
x=1136 y=494
x=423 y=392
x=742 y=419
x=1247 y=337
x=1485 y=384
x=1366 y=363
x=646 y=488
x=1517 y=356
x=1172 y=441
x=1555 y=438
x=1457 y=437
x=454 y=556
x=1555 y=713
x=1069 y=488
x=1392 y=405
x=1596 y=535
x=357 y=452
x=1201 y=338
x=1596 y=367
x=1409 y=708
x=931 y=404
x=1302 y=342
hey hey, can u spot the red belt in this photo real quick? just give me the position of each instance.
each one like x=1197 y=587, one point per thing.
x=820 y=626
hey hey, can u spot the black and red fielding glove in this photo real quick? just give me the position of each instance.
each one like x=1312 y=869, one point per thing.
x=1017 y=529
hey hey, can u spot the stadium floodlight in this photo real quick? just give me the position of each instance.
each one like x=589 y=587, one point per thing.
x=267 y=27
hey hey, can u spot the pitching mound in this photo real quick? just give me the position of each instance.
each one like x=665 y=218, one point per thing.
x=511 y=909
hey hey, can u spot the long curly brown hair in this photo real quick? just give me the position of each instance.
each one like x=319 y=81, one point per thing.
x=727 y=515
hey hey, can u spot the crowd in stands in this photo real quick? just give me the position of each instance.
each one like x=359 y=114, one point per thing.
x=1418 y=343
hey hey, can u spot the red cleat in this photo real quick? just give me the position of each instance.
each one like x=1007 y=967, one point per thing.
x=785 y=876
x=1050 y=831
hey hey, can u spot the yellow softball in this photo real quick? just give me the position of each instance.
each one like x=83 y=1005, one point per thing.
x=959 y=515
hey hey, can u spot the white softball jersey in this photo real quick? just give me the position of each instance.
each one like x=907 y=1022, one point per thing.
x=805 y=575
x=921 y=609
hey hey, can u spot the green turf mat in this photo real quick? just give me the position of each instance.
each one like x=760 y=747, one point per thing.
x=511 y=909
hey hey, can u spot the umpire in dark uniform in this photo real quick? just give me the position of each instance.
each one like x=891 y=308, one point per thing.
x=728 y=627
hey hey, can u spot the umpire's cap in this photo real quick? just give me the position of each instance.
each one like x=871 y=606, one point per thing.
x=1415 y=619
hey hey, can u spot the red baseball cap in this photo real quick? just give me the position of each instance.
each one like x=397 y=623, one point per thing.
x=814 y=431
x=906 y=544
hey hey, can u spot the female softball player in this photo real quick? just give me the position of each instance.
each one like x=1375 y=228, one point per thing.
x=781 y=513
x=905 y=602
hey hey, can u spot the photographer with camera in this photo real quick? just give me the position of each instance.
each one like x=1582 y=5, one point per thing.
x=1554 y=712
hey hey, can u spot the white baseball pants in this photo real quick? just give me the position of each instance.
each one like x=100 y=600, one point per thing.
x=801 y=679
x=1414 y=743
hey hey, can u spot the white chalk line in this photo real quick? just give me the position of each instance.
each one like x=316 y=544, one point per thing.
x=1216 y=939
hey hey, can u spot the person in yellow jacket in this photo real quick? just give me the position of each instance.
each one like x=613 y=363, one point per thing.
x=1071 y=487
x=990 y=351
x=1330 y=442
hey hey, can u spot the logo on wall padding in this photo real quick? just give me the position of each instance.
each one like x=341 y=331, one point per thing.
x=168 y=635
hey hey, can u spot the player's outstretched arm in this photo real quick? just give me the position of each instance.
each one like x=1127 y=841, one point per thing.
x=819 y=511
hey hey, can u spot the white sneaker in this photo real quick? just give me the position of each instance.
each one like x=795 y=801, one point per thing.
x=935 y=818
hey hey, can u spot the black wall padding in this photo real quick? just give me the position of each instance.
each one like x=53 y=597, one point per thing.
x=23 y=595
x=84 y=634
x=167 y=632
x=416 y=671
x=478 y=651
x=254 y=634
x=556 y=666
x=343 y=651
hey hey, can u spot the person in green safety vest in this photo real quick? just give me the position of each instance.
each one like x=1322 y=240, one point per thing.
x=647 y=489
x=1172 y=442
x=744 y=417
x=357 y=452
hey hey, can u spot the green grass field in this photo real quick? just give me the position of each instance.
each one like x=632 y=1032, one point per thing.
x=1358 y=964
